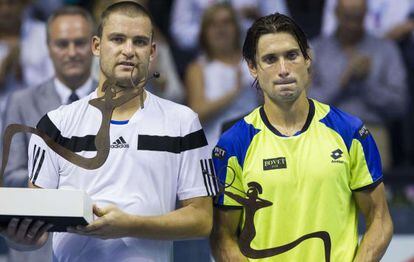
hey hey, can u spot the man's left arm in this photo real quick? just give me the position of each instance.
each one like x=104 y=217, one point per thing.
x=192 y=220
x=379 y=228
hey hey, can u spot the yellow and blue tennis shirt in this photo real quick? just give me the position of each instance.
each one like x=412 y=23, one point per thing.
x=309 y=178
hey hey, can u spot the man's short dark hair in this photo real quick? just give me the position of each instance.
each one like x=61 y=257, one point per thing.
x=70 y=10
x=274 y=23
x=128 y=8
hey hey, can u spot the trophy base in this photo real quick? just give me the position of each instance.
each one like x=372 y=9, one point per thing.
x=62 y=208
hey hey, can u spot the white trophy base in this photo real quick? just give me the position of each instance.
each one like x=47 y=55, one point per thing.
x=60 y=207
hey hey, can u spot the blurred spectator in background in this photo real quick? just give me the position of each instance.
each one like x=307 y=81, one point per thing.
x=388 y=19
x=218 y=83
x=308 y=14
x=360 y=74
x=186 y=16
x=24 y=59
x=42 y=9
x=186 y=19
x=69 y=40
x=382 y=17
x=403 y=33
x=168 y=85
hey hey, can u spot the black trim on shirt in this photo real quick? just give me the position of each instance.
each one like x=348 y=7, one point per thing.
x=227 y=207
x=172 y=144
x=370 y=186
x=36 y=152
x=39 y=166
x=305 y=127
x=213 y=177
x=205 y=178
x=74 y=144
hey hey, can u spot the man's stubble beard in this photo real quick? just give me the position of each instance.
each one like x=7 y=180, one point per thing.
x=124 y=82
x=276 y=98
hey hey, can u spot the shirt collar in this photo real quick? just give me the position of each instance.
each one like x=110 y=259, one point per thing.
x=64 y=92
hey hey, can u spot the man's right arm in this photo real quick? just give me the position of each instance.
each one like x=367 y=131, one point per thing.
x=223 y=238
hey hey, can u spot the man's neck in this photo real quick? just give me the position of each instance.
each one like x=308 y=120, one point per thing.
x=74 y=83
x=127 y=110
x=290 y=117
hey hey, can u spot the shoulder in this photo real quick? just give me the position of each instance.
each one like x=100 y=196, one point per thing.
x=174 y=110
x=379 y=44
x=240 y=131
x=19 y=96
x=346 y=125
x=64 y=113
x=31 y=92
x=238 y=138
x=25 y=96
x=321 y=42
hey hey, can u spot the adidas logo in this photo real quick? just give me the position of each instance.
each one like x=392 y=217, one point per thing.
x=120 y=143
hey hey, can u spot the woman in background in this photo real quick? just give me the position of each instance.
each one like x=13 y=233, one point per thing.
x=218 y=82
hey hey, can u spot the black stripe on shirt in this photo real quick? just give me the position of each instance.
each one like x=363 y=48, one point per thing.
x=74 y=144
x=208 y=174
x=370 y=186
x=39 y=166
x=35 y=156
x=172 y=144
x=225 y=207
x=205 y=174
x=34 y=150
x=213 y=177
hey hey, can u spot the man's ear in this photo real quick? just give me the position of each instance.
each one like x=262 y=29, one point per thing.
x=252 y=69
x=153 y=51
x=96 y=45
x=308 y=61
